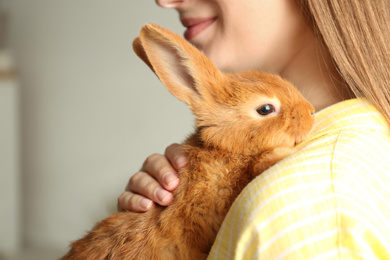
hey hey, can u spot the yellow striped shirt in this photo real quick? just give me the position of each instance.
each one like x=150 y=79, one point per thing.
x=329 y=200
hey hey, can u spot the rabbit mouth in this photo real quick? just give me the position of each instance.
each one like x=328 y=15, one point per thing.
x=298 y=141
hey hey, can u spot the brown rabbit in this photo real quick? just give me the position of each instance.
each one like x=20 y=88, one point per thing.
x=245 y=123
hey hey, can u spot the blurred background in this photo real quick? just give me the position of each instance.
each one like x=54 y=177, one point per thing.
x=79 y=113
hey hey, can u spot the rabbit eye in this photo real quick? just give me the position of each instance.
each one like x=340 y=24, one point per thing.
x=266 y=109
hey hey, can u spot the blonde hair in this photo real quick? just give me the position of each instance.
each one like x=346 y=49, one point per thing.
x=357 y=34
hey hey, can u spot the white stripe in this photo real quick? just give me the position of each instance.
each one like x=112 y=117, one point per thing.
x=369 y=226
x=319 y=142
x=306 y=161
x=303 y=222
x=362 y=104
x=358 y=234
x=286 y=209
x=284 y=193
x=382 y=166
x=306 y=241
x=350 y=253
x=363 y=179
x=377 y=230
x=350 y=118
x=331 y=254
x=336 y=254
x=360 y=195
x=367 y=212
x=361 y=162
x=275 y=196
x=255 y=184
x=365 y=250
x=383 y=147
x=364 y=160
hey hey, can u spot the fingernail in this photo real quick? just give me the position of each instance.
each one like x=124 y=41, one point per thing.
x=181 y=161
x=170 y=178
x=145 y=203
x=162 y=194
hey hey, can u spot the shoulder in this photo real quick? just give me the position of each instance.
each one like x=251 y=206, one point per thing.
x=324 y=200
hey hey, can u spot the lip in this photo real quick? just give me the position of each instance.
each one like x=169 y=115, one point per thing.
x=195 y=26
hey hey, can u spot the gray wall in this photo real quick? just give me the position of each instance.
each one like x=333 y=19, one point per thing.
x=90 y=112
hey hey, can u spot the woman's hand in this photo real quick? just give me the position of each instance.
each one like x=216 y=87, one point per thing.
x=155 y=181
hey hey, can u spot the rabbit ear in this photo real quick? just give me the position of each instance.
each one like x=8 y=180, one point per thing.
x=183 y=69
x=139 y=50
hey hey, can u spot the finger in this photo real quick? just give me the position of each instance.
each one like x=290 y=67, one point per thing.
x=160 y=168
x=133 y=202
x=142 y=183
x=176 y=156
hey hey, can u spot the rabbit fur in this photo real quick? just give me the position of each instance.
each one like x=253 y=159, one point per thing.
x=234 y=141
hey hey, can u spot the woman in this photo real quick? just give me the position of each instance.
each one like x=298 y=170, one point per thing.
x=330 y=199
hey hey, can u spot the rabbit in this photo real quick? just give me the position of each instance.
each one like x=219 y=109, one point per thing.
x=245 y=123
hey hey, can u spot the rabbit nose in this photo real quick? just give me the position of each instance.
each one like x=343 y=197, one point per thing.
x=168 y=3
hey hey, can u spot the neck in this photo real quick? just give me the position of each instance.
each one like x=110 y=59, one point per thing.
x=314 y=73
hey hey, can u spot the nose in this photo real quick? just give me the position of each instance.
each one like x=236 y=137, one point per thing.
x=168 y=3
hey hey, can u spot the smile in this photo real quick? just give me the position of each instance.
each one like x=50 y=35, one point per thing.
x=195 y=26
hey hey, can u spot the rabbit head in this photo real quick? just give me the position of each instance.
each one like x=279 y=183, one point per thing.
x=246 y=112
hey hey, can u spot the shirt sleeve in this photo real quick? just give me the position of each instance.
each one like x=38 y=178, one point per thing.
x=310 y=206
